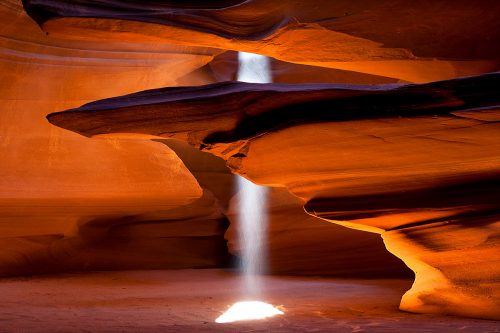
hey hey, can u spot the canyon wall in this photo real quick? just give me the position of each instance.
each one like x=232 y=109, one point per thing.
x=414 y=163
x=417 y=164
x=64 y=200
x=68 y=203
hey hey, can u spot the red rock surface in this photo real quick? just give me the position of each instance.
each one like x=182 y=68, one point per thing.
x=300 y=244
x=62 y=195
x=414 y=164
x=297 y=243
x=407 y=40
x=68 y=203
x=410 y=162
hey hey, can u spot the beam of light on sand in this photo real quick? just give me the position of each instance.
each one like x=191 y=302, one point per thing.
x=252 y=205
x=248 y=310
x=252 y=216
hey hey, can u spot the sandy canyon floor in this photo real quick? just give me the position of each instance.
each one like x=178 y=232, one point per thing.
x=190 y=300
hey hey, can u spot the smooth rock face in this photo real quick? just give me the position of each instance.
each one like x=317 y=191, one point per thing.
x=411 y=41
x=418 y=164
x=229 y=18
x=242 y=111
x=300 y=244
x=63 y=197
x=297 y=243
x=69 y=203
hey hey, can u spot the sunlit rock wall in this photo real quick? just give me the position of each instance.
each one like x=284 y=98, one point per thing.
x=296 y=243
x=417 y=164
x=407 y=40
x=61 y=196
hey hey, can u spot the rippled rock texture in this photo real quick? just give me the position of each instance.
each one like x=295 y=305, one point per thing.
x=418 y=164
x=414 y=163
x=407 y=40
x=297 y=243
x=69 y=203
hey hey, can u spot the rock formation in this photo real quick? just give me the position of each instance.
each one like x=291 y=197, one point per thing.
x=411 y=41
x=297 y=243
x=417 y=164
x=68 y=203
x=64 y=199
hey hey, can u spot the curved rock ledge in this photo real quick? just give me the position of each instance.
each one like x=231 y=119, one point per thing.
x=228 y=18
x=297 y=243
x=411 y=41
x=68 y=203
x=418 y=164
x=55 y=184
x=232 y=111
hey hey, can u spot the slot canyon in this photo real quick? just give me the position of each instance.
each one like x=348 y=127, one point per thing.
x=335 y=161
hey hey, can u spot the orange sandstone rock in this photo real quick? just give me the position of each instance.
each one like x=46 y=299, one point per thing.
x=69 y=203
x=296 y=243
x=410 y=41
x=418 y=164
x=54 y=184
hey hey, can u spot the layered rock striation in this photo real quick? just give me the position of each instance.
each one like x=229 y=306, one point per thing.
x=296 y=242
x=238 y=19
x=67 y=203
x=418 y=164
x=411 y=41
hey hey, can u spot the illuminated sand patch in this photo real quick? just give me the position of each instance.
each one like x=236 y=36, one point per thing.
x=248 y=310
